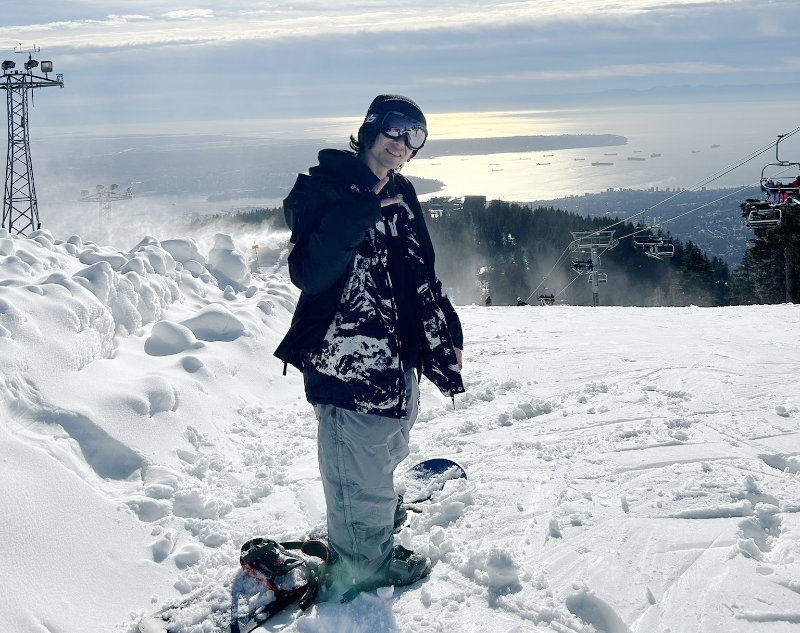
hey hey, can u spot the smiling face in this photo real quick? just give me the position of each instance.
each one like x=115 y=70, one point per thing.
x=385 y=154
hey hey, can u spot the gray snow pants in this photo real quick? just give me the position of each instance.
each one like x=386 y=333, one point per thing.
x=358 y=453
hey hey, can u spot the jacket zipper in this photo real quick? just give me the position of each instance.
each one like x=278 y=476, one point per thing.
x=390 y=231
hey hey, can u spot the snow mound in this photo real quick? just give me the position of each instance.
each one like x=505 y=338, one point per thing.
x=183 y=250
x=215 y=322
x=168 y=338
x=228 y=266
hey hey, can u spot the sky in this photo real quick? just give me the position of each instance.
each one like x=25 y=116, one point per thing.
x=147 y=63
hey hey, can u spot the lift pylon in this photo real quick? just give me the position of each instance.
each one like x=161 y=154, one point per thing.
x=592 y=242
x=20 y=208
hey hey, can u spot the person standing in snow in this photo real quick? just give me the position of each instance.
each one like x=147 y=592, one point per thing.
x=371 y=317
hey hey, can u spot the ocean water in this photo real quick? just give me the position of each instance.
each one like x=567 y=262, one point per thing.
x=180 y=171
x=669 y=146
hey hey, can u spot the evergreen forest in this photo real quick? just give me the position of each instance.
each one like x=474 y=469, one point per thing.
x=770 y=269
x=511 y=253
x=515 y=253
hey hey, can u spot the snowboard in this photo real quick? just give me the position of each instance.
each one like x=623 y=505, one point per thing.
x=251 y=604
x=423 y=480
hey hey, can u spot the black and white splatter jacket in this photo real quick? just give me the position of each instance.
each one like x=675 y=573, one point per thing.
x=344 y=334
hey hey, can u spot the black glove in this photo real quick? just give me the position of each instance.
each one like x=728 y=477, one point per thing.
x=348 y=221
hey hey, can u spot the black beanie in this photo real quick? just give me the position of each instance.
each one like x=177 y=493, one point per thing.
x=382 y=105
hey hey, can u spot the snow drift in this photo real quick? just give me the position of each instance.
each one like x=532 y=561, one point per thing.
x=630 y=470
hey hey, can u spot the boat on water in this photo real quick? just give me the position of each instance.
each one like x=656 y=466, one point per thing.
x=610 y=154
x=597 y=163
x=714 y=146
x=578 y=159
x=655 y=155
x=542 y=163
x=635 y=158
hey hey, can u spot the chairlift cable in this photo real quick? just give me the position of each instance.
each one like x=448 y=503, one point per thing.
x=702 y=183
x=719 y=174
x=733 y=166
x=725 y=171
x=558 y=261
x=667 y=221
x=562 y=291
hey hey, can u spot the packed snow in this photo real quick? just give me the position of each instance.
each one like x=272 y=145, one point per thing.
x=631 y=470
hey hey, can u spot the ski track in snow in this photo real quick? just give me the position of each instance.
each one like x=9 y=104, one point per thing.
x=630 y=470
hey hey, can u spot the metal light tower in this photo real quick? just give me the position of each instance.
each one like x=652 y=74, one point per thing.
x=20 y=209
x=592 y=242
x=104 y=197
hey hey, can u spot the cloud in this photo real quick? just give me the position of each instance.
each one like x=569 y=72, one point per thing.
x=315 y=57
x=128 y=17
x=244 y=21
x=189 y=14
x=616 y=71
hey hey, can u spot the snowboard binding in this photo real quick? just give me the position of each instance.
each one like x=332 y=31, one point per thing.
x=292 y=570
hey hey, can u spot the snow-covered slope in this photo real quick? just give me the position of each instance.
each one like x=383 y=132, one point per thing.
x=629 y=469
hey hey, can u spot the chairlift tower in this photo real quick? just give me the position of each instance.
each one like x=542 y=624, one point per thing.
x=20 y=209
x=591 y=242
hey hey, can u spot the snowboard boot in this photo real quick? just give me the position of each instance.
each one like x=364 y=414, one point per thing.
x=404 y=568
x=407 y=567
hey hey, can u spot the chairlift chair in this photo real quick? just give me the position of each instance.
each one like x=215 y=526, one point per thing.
x=658 y=248
x=582 y=266
x=659 y=251
x=655 y=247
x=764 y=218
x=777 y=192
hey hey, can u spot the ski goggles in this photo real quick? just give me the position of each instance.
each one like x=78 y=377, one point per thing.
x=396 y=125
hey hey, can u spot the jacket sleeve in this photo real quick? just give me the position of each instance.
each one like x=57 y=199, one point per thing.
x=327 y=227
x=450 y=316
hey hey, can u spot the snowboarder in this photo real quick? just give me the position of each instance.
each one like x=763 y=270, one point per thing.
x=370 y=313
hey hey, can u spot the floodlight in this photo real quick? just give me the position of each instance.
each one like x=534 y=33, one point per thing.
x=47 y=67
x=114 y=187
x=99 y=187
x=8 y=65
x=31 y=63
